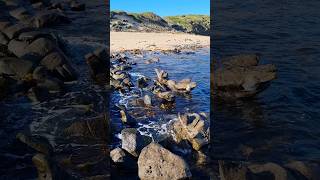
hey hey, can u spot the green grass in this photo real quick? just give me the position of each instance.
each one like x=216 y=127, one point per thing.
x=140 y=17
x=186 y=21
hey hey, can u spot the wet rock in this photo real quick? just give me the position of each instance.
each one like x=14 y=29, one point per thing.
x=117 y=155
x=45 y=2
x=120 y=75
x=147 y=100
x=43 y=167
x=123 y=160
x=40 y=73
x=277 y=171
x=102 y=53
x=156 y=162
x=14 y=31
x=38 y=5
x=17 y=47
x=300 y=167
x=49 y=18
x=152 y=60
x=167 y=96
x=18 y=68
x=133 y=141
x=232 y=171
x=76 y=6
x=116 y=84
x=40 y=47
x=4 y=25
x=184 y=86
x=122 y=67
x=36 y=94
x=57 y=63
x=14 y=3
x=192 y=127
x=4 y=52
x=126 y=118
x=143 y=82
x=162 y=76
x=51 y=84
x=97 y=127
x=20 y=13
x=242 y=60
x=242 y=77
x=127 y=82
x=56 y=5
x=3 y=39
x=97 y=67
x=38 y=143
x=32 y=35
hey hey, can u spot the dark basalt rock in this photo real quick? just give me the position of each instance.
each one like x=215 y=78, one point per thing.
x=15 y=67
x=241 y=76
x=57 y=63
x=20 y=14
x=49 y=18
x=14 y=31
x=76 y=6
x=3 y=39
x=98 y=66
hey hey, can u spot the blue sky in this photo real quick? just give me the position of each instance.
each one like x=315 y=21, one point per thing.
x=163 y=7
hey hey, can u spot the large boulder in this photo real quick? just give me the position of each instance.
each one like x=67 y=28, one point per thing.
x=14 y=31
x=18 y=48
x=133 y=142
x=277 y=171
x=18 y=68
x=49 y=18
x=42 y=164
x=4 y=24
x=41 y=47
x=241 y=76
x=20 y=13
x=32 y=35
x=123 y=159
x=156 y=162
x=98 y=65
x=194 y=128
x=96 y=128
x=76 y=6
x=57 y=63
x=35 y=51
x=3 y=39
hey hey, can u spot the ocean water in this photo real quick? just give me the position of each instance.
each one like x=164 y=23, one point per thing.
x=281 y=123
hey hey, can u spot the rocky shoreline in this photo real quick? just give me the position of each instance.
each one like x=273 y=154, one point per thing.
x=145 y=155
x=67 y=131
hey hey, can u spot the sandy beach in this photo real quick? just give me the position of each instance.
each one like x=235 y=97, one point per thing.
x=155 y=41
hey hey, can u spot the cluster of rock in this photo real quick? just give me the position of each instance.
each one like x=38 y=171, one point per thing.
x=79 y=147
x=33 y=61
x=241 y=76
x=269 y=170
x=154 y=161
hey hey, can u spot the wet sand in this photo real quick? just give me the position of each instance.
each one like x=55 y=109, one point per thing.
x=155 y=41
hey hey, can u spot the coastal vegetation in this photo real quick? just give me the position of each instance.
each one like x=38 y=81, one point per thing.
x=149 y=21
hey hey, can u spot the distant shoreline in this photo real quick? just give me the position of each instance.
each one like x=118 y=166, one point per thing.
x=163 y=41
